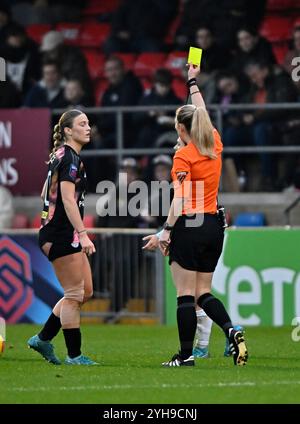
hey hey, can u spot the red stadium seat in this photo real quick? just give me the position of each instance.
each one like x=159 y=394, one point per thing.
x=36 y=221
x=20 y=220
x=179 y=87
x=147 y=63
x=99 y=87
x=146 y=83
x=93 y=34
x=96 y=7
x=280 y=50
x=70 y=31
x=89 y=221
x=175 y=62
x=278 y=5
x=95 y=62
x=129 y=59
x=276 y=28
x=37 y=31
x=296 y=23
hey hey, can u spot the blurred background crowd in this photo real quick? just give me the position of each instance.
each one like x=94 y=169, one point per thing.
x=86 y=53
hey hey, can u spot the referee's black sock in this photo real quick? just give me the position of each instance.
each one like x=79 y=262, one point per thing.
x=216 y=311
x=187 y=324
x=51 y=328
x=73 y=341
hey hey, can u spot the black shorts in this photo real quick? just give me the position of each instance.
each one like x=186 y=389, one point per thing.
x=58 y=249
x=197 y=248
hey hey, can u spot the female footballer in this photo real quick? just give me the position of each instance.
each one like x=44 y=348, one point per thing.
x=63 y=238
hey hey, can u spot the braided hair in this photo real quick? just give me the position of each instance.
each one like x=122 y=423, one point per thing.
x=66 y=120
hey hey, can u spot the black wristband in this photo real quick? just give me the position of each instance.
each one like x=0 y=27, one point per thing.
x=191 y=82
x=167 y=227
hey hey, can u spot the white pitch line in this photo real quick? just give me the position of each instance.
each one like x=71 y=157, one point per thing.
x=161 y=386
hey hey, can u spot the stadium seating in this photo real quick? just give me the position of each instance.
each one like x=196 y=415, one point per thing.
x=70 y=31
x=37 y=31
x=280 y=50
x=276 y=28
x=93 y=34
x=95 y=62
x=147 y=63
x=96 y=7
x=280 y=5
x=128 y=59
x=175 y=62
x=179 y=87
x=20 y=220
x=36 y=221
x=100 y=85
x=89 y=221
x=248 y=219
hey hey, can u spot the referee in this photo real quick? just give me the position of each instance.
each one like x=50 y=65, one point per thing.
x=193 y=233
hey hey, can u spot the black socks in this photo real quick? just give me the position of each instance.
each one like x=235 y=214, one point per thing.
x=73 y=341
x=187 y=323
x=216 y=311
x=51 y=328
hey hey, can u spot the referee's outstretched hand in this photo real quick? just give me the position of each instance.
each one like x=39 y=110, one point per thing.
x=164 y=242
x=153 y=242
x=193 y=70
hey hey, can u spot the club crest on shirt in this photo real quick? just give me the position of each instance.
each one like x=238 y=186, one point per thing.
x=181 y=176
x=73 y=171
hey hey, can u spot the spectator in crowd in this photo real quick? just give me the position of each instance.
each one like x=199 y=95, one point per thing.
x=119 y=197
x=46 y=11
x=6 y=210
x=140 y=26
x=75 y=96
x=267 y=86
x=160 y=200
x=154 y=123
x=9 y=95
x=124 y=89
x=291 y=54
x=231 y=91
x=251 y=48
x=224 y=16
x=215 y=59
x=22 y=58
x=49 y=91
x=70 y=58
x=5 y=20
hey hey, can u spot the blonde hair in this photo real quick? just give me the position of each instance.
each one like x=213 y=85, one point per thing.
x=198 y=125
x=66 y=120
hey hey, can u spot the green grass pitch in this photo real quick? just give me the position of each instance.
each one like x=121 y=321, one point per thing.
x=130 y=372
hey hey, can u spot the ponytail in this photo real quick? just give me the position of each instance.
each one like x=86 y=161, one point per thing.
x=57 y=139
x=66 y=120
x=202 y=132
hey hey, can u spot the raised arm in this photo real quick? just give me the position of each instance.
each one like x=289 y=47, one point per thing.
x=196 y=96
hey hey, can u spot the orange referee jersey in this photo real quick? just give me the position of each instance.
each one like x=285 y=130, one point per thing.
x=196 y=177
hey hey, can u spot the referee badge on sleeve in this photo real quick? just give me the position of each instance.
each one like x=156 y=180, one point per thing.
x=181 y=176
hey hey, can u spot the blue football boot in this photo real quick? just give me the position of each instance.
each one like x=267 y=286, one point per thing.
x=45 y=348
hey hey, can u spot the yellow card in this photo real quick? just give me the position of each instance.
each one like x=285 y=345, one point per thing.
x=195 y=55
